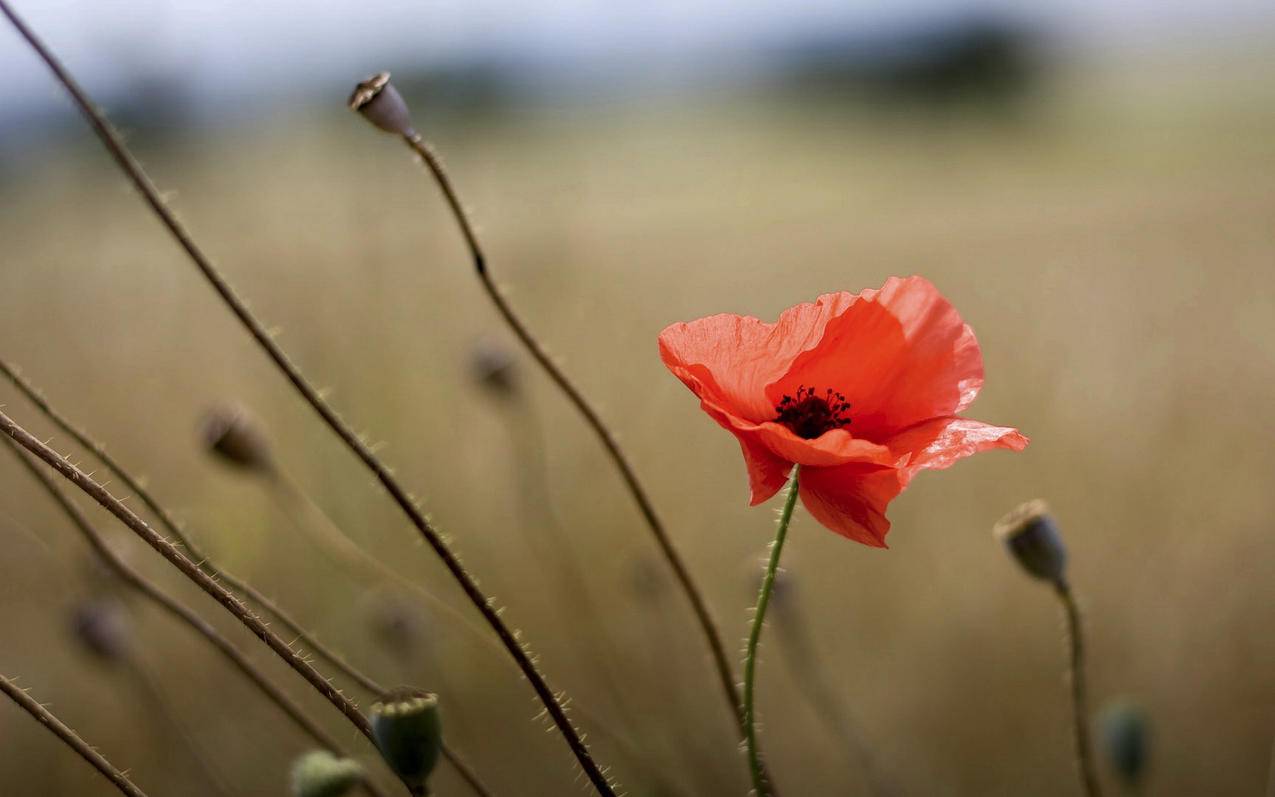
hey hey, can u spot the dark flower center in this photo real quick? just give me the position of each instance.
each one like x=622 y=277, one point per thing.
x=810 y=415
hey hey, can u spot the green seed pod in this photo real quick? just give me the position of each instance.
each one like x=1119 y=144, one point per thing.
x=318 y=773
x=1032 y=537
x=1125 y=740
x=409 y=733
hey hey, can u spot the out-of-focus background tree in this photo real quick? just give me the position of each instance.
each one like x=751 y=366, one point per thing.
x=1092 y=183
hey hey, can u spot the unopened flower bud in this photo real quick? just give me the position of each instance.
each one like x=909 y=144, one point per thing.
x=494 y=369
x=1125 y=740
x=409 y=733
x=232 y=435
x=381 y=104
x=102 y=626
x=319 y=773
x=1032 y=537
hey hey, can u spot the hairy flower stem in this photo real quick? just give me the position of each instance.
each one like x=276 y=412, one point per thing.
x=486 y=607
x=761 y=783
x=206 y=563
x=69 y=738
x=181 y=612
x=1079 y=696
x=704 y=616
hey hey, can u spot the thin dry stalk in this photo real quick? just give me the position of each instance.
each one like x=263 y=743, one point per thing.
x=181 y=612
x=487 y=607
x=205 y=582
x=1085 y=767
x=70 y=738
x=699 y=604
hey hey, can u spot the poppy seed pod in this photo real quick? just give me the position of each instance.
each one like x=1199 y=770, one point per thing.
x=318 y=773
x=409 y=734
x=379 y=102
x=1032 y=537
x=1125 y=740
x=102 y=627
x=230 y=434
x=494 y=369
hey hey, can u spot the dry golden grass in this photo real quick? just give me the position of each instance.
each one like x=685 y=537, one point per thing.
x=1114 y=254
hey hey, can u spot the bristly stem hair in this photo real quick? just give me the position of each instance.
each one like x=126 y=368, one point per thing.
x=70 y=738
x=205 y=563
x=761 y=781
x=1079 y=695
x=169 y=551
x=686 y=582
x=485 y=606
x=181 y=612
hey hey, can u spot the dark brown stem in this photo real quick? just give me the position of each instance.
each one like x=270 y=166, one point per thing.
x=1079 y=696
x=174 y=529
x=183 y=613
x=699 y=604
x=133 y=170
x=69 y=737
x=205 y=582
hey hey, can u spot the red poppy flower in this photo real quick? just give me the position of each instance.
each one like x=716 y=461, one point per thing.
x=861 y=390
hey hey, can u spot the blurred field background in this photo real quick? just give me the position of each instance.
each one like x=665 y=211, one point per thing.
x=1107 y=233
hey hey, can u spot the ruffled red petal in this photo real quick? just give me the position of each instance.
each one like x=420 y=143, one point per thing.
x=940 y=442
x=851 y=499
x=900 y=355
x=730 y=359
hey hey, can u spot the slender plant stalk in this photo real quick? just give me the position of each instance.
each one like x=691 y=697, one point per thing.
x=205 y=582
x=761 y=784
x=181 y=612
x=486 y=606
x=205 y=563
x=800 y=652
x=70 y=738
x=148 y=689
x=681 y=572
x=1079 y=696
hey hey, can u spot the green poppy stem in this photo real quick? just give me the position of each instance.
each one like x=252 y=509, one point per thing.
x=761 y=786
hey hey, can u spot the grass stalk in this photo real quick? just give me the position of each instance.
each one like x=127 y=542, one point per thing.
x=70 y=738
x=312 y=396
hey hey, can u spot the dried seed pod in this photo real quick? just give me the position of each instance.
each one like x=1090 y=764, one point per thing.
x=408 y=731
x=494 y=368
x=1030 y=534
x=233 y=436
x=379 y=102
x=319 y=773
x=103 y=627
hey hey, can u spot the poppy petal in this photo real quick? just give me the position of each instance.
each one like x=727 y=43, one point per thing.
x=900 y=355
x=940 y=442
x=767 y=473
x=836 y=447
x=730 y=359
x=851 y=499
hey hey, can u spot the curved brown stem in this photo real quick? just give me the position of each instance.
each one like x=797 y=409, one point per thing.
x=180 y=611
x=205 y=563
x=485 y=606
x=70 y=738
x=188 y=568
x=1079 y=695
x=703 y=615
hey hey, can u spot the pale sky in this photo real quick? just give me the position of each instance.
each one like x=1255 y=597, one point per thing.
x=244 y=47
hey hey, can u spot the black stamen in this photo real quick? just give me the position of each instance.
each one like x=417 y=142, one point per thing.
x=809 y=415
